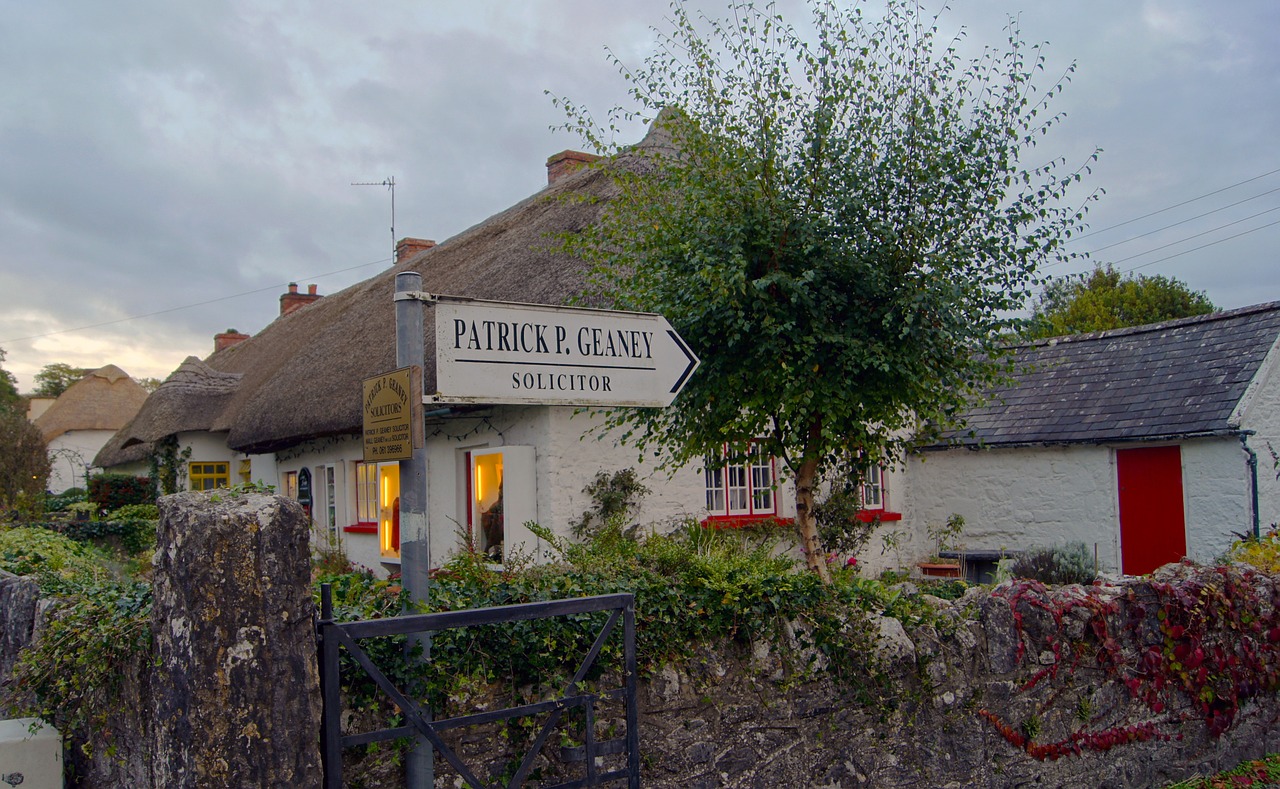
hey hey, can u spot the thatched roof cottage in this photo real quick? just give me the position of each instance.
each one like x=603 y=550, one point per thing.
x=284 y=406
x=84 y=418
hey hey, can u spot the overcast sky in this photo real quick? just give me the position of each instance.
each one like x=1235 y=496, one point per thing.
x=184 y=161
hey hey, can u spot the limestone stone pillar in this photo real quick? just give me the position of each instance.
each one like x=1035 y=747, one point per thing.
x=235 y=687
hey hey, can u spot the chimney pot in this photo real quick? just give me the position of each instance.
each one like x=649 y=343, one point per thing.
x=561 y=164
x=227 y=339
x=408 y=247
x=293 y=300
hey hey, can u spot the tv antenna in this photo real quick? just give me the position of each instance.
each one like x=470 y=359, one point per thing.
x=390 y=183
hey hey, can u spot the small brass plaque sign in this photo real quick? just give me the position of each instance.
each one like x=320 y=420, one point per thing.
x=388 y=416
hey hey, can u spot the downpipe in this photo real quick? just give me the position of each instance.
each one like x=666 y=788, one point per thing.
x=1252 y=462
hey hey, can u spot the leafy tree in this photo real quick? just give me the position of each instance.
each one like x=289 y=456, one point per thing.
x=54 y=379
x=9 y=397
x=1105 y=299
x=839 y=226
x=24 y=461
x=150 y=384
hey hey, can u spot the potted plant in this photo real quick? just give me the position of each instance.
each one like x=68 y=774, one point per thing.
x=944 y=538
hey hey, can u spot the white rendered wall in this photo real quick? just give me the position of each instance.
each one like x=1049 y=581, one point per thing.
x=70 y=452
x=1042 y=496
x=1015 y=498
x=1261 y=414
x=343 y=453
x=204 y=448
x=568 y=457
x=1215 y=482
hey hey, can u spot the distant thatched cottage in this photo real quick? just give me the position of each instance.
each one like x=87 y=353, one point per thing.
x=83 y=419
x=1147 y=444
x=284 y=406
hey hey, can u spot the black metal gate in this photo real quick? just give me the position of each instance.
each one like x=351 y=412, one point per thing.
x=335 y=634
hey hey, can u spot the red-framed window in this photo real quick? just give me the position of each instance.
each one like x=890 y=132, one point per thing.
x=742 y=490
x=367 y=499
x=875 y=496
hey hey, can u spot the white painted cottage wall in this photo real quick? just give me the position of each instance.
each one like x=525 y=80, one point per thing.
x=205 y=448
x=568 y=458
x=1015 y=498
x=70 y=452
x=342 y=453
x=1215 y=481
x=1261 y=414
x=577 y=455
x=1018 y=498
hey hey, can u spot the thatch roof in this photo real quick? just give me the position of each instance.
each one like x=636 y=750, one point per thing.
x=105 y=399
x=300 y=377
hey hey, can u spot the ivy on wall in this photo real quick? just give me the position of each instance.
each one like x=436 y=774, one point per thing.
x=1189 y=644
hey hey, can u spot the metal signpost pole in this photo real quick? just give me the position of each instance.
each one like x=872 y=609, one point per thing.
x=415 y=543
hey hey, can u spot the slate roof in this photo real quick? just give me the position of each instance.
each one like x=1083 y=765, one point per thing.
x=1174 y=379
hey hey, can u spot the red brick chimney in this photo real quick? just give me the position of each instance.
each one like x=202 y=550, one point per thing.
x=566 y=162
x=408 y=247
x=293 y=300
x=227 y=339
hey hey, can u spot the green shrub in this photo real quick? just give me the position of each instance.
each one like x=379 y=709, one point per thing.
x=54 y=560
x=1263 y=553
x=99 y=631
x=148 y=512
x=134 y=534
x=113 y=491
x=1064 y=564
x=59 y=502
x=614 y=495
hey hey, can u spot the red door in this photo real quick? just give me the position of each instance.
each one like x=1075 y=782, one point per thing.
x=1152 y=528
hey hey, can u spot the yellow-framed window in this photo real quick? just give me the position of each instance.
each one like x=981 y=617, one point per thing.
x=207 y=476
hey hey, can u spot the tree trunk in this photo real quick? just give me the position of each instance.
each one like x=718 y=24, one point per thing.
x=814 y=556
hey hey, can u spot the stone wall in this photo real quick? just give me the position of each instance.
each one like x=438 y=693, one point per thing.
x=954 y=702
x=736 y=720
x=1015 y=686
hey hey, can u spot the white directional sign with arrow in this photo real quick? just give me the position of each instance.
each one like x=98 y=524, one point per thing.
x=502 y=352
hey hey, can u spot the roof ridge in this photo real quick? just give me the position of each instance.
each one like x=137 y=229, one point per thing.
x=1209 y=317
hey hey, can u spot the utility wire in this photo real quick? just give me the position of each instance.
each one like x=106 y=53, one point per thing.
x=195 y=304
x=1183 y=222
x=1197 y=235
x=1203 y=246
x=1176 y=205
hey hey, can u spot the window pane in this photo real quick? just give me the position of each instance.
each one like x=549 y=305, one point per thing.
x=873 y=489
x=715 y=488
x=737 y=490
x=487 y=489
x=389 y=509
x=761 y=482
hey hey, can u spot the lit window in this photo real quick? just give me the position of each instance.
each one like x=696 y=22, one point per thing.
x=389 y=510
x=367 y=492
x=487 y=486
x=741 y=489
x=207 y=476
x=501 y=502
